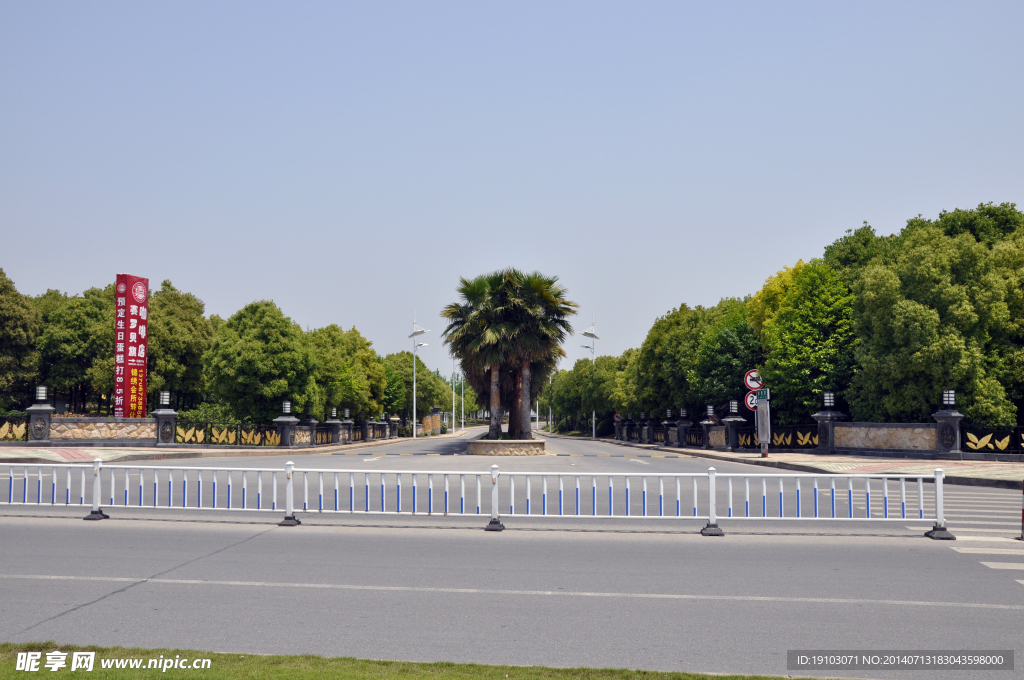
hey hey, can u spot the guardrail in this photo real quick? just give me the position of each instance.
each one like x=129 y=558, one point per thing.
x=380 y=492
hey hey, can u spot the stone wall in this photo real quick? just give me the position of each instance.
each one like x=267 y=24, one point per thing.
x=103 y=428
x=301 y=435
x=505 y=447
x=910 y=437
x=716 y=437
x=432 y=424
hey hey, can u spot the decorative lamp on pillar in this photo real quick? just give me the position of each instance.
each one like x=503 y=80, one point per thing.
x=711 y=411
x=286 y=425
x=39 y=416
x=948 y=419
x=732 y=425
x=827 y=418
x=334 y=413
x=346 y=414
x=166 y=418
x=682 y=426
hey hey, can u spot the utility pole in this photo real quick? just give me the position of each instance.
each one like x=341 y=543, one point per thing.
x=590 y=333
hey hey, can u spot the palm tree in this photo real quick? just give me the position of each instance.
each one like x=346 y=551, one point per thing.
x=540 y=321
x=476 y=338
x=509 y=325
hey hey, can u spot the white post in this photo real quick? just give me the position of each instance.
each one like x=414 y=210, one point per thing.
x=495 y=524
x=96 y=513
x=939 y=531
x=712 y=528
x=414 y=386
x=289 y=497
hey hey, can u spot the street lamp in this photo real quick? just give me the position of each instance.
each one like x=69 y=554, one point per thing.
x=417 y=331
x=590 y=333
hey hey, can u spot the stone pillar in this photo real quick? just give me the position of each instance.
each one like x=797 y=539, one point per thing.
x=335 y=426
x=642 y=424
x=166 y=419
x=286 y=430
x=948 y=435
x=732 y=425
x=668 y=424
x=683 y=426
x=311 y=423
x=39 y=422
x=364 y=425
x=707 y=423
x=827 y=429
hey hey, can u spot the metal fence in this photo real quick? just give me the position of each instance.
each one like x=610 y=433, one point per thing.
x=228 y=434
x=982 y=439
x=795 y=436
x=800 y=496
x=695 y=436
x=13 y=429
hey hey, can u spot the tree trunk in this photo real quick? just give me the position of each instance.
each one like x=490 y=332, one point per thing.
x=513 y=411
x=495 y=430
x=524 y=403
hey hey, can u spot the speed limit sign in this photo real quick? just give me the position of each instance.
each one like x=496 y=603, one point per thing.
x=751 y=400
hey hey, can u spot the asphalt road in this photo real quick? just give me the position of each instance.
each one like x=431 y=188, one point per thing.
x=548 y=590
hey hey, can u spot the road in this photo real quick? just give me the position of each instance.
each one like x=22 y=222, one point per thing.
x=607 y=592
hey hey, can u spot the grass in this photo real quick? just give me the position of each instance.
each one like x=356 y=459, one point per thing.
x=300 y=667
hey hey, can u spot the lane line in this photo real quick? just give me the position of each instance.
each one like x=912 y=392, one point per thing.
x=1004 y=565
x=543 y=593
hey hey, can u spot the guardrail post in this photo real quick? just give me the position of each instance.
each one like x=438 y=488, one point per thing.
x=96 y=513
x=939 y=532
x=495 y=524
x=289 y=498
x=712 y=528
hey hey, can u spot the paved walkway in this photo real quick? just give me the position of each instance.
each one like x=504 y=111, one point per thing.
x=971 y=473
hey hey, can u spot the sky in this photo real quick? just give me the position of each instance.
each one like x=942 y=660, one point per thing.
x=351 y=161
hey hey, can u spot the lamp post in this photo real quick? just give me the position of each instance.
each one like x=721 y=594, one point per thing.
x=417 y=331
x=590 y=333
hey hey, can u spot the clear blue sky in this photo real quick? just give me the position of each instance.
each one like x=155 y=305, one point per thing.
x=351 y=161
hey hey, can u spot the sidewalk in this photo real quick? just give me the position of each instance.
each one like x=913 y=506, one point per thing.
x=31 y=455
x=968 y=473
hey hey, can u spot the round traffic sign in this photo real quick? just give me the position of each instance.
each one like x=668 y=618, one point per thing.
x=753 y=380
x=751 y=400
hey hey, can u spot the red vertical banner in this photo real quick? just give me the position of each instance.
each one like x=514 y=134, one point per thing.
x=131 y=333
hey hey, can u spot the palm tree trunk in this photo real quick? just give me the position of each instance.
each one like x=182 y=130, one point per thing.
x=495 y=430
x=524 y=402
x=513 y=411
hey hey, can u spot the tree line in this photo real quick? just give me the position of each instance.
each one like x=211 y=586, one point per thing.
x=885 y=322
x=235 y=369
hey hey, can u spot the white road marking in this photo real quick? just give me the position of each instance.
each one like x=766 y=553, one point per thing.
x=982 y=538
x=955 y=528
x=1004 y=565
x=988 y=551
x=541 y=593
x=634 y=460
x=367 y=460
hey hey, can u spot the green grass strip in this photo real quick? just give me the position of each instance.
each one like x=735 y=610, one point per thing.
x=301 y=667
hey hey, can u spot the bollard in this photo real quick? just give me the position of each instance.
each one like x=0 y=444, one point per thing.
x=289 y=498
x=96 y=513
x=712 y=528
x=495 y=524
x=939 y=532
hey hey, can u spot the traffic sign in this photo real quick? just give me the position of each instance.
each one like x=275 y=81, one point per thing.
x=764 y=394
x=764 y=428
x=751 y=400
x=752 y=380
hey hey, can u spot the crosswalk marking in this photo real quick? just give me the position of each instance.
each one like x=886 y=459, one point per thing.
x=983 y=538
x=989 y=551
x=1004 y=565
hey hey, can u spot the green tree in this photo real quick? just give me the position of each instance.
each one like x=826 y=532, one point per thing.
x=726 y=352
x=179 y=336
x=77 y=333
x=258 y=359
x=810 y=343
x=20 y=322
x=348 y=373
x=431 y=391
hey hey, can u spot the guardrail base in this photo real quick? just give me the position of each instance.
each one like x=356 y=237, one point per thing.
x=712 y=530
x=938 y=533
x=97 y=514
x=494 y=525
x=289 y=521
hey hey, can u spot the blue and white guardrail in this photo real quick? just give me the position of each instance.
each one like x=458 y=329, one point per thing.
x=800 y=497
